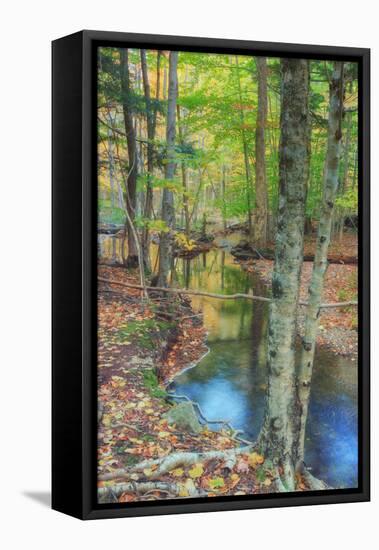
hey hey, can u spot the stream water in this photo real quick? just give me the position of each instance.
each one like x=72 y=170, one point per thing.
x=230 y=381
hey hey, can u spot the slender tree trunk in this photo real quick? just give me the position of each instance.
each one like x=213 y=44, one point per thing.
x=151 y=117
x=223 y=192
x=279 y=436
x=168 y=212
x=320 y=263
x=346 y=158
x=111 y=166
x=346 y=152
x=184 y=178
x=131 y=187
x=261 y=206
x=246 y=158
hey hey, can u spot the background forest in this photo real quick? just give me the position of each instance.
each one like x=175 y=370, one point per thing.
x=223 y=174
x=232 y=180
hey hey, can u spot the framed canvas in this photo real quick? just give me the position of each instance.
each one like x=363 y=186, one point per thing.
x=210 y=274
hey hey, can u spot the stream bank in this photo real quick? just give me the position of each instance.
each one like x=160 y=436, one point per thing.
x=138 y=354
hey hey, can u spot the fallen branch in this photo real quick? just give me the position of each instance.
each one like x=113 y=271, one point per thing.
x=217 y=296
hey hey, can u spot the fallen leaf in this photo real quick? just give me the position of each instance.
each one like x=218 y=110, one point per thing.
x=242 y=467
x=216 y=483
x=196 y=471
x=178 y=472
x=255 y=459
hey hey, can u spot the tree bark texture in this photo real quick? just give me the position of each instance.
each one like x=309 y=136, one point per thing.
x=279 y=436
x=151 y=126
x=131 y=183
x=261 y=200
x=320 y=263
x=168 y=212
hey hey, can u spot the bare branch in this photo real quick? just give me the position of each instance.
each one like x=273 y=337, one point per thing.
x=217 y=296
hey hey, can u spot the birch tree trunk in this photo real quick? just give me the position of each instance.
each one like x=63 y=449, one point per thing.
x=279 y=436
x=168 y=212
x=131 y=186
x=261 y=206
x=320 y=262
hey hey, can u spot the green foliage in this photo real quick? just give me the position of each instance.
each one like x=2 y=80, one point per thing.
x=144 y=332
x=216 y=122
x=349 y=200
x=110 y=214
x=150 y=381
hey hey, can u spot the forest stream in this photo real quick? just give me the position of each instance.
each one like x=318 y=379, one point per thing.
x=229 y=382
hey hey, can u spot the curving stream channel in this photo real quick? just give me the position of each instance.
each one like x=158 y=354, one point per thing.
x=230 y=381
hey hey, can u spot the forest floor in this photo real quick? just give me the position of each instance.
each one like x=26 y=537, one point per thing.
x=140 y=350
x=338 y=326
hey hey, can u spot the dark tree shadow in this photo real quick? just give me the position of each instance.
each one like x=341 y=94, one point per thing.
x=42 y=497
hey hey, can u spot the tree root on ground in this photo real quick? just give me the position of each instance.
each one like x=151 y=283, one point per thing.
x=171 y=462
x=313 y=483
x=235 y=433
x=142 y=488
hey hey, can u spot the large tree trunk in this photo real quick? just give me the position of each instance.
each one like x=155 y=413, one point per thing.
x=261 y=206
x=279 y=436
x=168 y=212
x=320 y=263
x=131 y=181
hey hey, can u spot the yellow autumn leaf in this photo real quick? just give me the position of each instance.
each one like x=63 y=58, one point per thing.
x=267 y=482
x=178 y=472
x=147 y=472
x=255 y=459
x=107 y=420
x=183 y=492
x=196 y=471
x=164 y=434
x=187 y=489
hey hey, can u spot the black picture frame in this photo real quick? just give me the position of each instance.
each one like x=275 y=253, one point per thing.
x=74 y=274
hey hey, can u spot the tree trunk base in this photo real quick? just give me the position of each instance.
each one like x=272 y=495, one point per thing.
x=131 y=262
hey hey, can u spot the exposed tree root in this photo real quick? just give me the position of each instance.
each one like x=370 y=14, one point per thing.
x=279 y=483
x=142 y=488
x=165 y=464
x=235 y=433
x=313 y=483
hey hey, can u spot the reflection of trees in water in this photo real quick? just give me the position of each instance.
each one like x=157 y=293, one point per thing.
x=233 y=375
x=222 y=269
x=234 y=320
